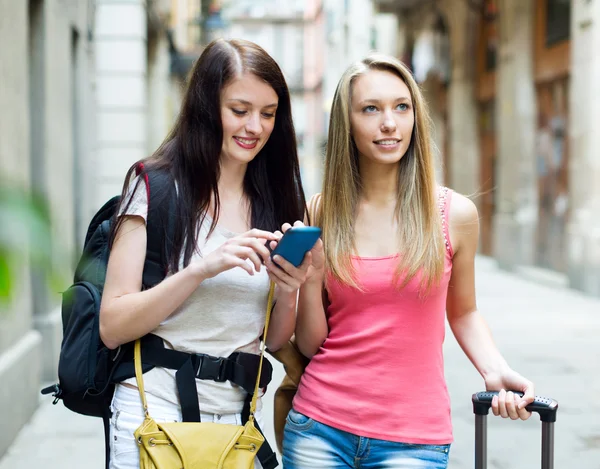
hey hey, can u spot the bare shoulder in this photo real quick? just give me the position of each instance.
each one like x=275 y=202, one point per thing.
x=463 y=223
x=462 y=211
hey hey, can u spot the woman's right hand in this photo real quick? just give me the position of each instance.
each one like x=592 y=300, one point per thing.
x=236 y=252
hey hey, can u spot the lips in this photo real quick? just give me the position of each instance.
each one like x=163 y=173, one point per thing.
x=387 y=142
x=246 y=143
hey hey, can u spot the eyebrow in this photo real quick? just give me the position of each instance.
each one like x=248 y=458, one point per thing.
x=377 y=101
x=248 y=103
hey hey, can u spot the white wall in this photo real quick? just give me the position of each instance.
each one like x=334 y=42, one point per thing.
x=121 y=68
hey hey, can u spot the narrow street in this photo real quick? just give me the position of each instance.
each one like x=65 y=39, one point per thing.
x=548 y=334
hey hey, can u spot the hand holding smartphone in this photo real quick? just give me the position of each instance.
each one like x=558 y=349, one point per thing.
x=295 y=243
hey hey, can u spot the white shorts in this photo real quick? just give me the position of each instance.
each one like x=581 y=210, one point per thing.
x=128 y=415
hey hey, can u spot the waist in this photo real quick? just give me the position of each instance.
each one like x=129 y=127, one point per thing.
x=393 y=397
x=127 y=398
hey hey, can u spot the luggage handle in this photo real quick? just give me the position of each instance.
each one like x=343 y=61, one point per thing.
x=545 y=406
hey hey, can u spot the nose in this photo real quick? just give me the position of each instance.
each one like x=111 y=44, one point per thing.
x=389 y=123
x=253 y=124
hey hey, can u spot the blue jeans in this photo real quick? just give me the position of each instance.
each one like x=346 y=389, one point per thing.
x=308 y=444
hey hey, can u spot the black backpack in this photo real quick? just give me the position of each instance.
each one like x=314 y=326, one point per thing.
x=86 y=368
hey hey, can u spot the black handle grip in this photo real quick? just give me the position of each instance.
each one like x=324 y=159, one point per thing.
x=545 y=406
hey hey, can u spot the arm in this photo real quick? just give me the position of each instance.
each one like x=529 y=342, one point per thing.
x=292 y=284
x=311 y=322
x=467 y=324
x=127 y=313
x=283 y=318
x=288 y=280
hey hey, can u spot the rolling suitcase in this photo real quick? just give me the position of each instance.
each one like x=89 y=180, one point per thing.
x=546 y=407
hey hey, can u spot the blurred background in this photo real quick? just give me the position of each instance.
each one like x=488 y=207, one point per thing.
x=87 y=87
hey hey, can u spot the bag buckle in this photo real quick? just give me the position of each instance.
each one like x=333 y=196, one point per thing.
x=211 y=368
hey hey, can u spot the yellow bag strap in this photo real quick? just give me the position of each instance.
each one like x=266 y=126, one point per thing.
x=137 y=361
x=262 y=350
x=137 y=358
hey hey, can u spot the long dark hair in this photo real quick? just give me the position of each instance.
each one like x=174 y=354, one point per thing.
x=191 y=151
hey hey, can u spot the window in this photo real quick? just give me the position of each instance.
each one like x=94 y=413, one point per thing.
x=558 y=21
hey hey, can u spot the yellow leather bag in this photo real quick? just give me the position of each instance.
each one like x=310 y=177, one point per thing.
x=198 y=445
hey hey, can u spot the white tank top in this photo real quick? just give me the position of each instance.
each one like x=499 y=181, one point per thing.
x=223 y=315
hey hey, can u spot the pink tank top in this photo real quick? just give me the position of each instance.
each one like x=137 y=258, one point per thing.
x=380 y=372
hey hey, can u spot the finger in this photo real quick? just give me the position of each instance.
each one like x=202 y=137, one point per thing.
x=298 y=223
x=277 y=281
x=256 y=233
x=278 y=269
x=528 y=396
x=285 y=265
x=237 y=262
x=285 y=227
x=256 y=245
x=511 y=405
x=278 y=235
x=246 y=252
x=502 y=404
x=260 y=248
x=495 y=409
x=256 y=260
x=524 y=414
x=281 y=279
x=306 y=262
x=276 y=274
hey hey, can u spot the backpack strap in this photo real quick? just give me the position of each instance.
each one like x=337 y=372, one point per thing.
x=160 y=224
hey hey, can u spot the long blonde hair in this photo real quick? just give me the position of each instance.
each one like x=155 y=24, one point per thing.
x=420 y=227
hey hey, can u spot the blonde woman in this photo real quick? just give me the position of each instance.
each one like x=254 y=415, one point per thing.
x=397 y=254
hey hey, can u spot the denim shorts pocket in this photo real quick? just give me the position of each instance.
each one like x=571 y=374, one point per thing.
x=444 y=449
x=298 y=420
x=123 y=425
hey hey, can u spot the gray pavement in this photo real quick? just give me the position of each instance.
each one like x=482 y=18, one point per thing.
x=549 y=334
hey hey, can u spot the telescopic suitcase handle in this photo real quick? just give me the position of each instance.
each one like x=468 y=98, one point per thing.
x=544 y=406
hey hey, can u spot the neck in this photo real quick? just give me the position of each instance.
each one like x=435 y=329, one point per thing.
x=379 y=183
x=231 y=180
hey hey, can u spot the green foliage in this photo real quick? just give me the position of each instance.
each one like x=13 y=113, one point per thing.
x=25 y=238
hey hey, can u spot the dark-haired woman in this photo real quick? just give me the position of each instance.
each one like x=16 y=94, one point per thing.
x=232 y=157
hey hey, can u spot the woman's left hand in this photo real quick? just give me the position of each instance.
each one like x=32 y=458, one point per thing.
x=286 y=276
x=507 y=404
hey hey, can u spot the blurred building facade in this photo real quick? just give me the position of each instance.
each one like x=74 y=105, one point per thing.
x=512 y=84
x=292 y=32
x=84 y=93
x=312 y=40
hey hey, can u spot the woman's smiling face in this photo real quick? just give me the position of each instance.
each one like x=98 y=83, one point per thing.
x=248 y=107
x=381 y=116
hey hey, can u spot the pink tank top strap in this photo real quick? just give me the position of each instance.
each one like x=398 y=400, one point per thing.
x=444 y=199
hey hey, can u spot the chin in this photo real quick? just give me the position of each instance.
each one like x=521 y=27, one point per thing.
x=388 y=159
x=241 y=157
x=242 y=160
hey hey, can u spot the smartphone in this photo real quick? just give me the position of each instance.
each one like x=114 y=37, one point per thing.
x=295 y=243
